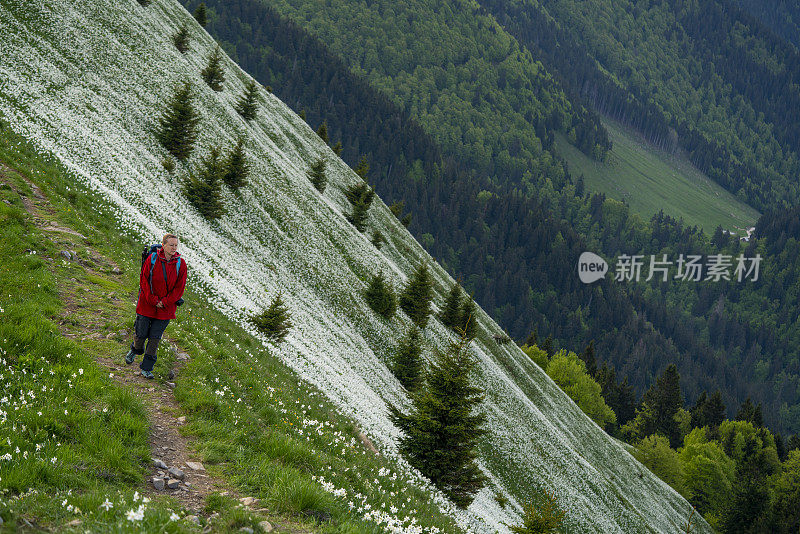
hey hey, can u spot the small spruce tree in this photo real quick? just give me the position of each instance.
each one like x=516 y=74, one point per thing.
x=451 y=312
x=181 y=39
x=275 y=321
x=589 y=359
x=467 y=322
x=203 y=187
x=441 y=433
x=302 y=114
x=406 y=220
x=416 y=297
x=237 y=169
x=200 y=14
x=378 y=239
x=317 y=175
x=248 y=103
x=322 y=132
x=213 y=74
x=337 y=148
x=363 y=167
x=360 y=196
x=178 y=125
x=144 y=2
x=380 y=296
x=541 y=516
x=407 y=365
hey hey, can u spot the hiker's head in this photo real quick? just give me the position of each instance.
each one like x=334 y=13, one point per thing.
x=170 y=244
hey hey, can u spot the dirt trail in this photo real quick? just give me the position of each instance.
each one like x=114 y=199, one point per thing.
x=86 y=310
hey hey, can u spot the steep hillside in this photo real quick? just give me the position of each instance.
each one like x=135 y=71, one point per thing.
x=86 y=82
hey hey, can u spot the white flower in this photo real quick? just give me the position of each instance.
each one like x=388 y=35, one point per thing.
x=107 y=505
x=80 y=371
x=174 y=517
x=135 y=496
x=136 y=515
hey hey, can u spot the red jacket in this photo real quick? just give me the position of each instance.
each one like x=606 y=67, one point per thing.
x=168 y=292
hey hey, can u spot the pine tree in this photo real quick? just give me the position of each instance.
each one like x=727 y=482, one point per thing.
x=416 y=297
x=322 y=132
x=589 y=359
x=441 y=433
x=451 y=312
x=380 y=296
x=213 y=74
x=363 y=167
x=203 y=187
x=274 y=322
x=408 y=365
x=378 y=239
x=541 y=516
x=360 y=196
x=467 y=321
x=533 y=338
x=248 y=103
x=178 y=125
x=302 y=114
x=317 y=175
x=236 y=167
x=397 y=208
x=181 y=39
x=708 y=411
x=200 y=14
x=547 y=346
x=750 y=412
x=406 y=220
x=337 y=148
x=144 y=3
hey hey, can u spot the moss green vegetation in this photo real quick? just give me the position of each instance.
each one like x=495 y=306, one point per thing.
x=650 y=180
x=84 y=439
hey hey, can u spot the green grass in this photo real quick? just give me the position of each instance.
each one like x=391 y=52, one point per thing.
x=650 y=180
x=253 y=422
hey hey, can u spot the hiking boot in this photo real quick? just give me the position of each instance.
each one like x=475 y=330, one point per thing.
x=130 y=357
x=148 y=375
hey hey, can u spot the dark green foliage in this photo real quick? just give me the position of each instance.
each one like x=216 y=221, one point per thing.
x=408 y=365
x=236 y=167
x=589 y=359
x=145 y=2
x=337 y=148
x=547 y=346
x=302 y=114
x=467 y=322
x=168 y=164
x=664 y=398
x=533 y=338
x=620 y=397
x=380 y=296
x=542 y=515
x=751 y=413
x=213 y=74
x=451 y=311
x=417 y=295
x=200 y=14
x=248 y=103
x=178 y=125
x=181 y=39
x=360 y=196
x=377 y=239
x=322 y=132
x=406 y=220
x=203 y=187
x=749 y=504
x=397 y=208
x=441 y=433
x=317 y=175
x=708 y=411
x=274 y=322
x=363 y=168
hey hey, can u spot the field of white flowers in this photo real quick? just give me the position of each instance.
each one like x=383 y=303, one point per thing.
x=87 y=81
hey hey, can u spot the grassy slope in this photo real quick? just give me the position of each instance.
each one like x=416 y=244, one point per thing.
x=651 y=180
x=275 y=443
x=281 y=235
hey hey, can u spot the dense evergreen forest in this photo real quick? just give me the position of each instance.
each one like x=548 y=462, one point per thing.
x=515 y=246
x=781 y=16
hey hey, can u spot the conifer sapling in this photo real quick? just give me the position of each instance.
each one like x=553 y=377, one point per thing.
x=178 y=125
x=274 y=322
x=322 y=132
x=248 y=103
x=181 y=39
x=203 y=188
x=337 y=148
x=378 y=239
x=213 y=74
x=236 y=167
x=317 y=175
x=380 y=296
x=416 y=297
x=408 y=365
x=451 y=311
x=200 y=14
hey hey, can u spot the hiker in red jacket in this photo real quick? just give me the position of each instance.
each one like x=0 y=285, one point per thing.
x=161 y=285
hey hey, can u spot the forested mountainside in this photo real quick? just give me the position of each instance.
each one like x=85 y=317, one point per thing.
x=781 y=16
x=100 y=87
x=517 y=253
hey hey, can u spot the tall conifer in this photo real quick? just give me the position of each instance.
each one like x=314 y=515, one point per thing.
x=317 y=175
x=203 y=187
x=416 y=297
x=407 y=365
x=237 y=169
x=248 y=103
x=213 y=74
x=178 y=125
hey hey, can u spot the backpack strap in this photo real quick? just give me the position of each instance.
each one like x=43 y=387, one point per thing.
x=152 y=265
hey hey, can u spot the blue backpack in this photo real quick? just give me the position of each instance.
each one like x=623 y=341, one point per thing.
x=151 y=252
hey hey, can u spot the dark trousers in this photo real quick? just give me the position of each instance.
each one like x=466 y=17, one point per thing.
x=147 y=328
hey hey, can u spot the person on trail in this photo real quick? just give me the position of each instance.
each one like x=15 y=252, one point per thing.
x=161 y=285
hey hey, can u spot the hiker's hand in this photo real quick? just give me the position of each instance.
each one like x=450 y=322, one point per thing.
x=160 y=304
